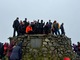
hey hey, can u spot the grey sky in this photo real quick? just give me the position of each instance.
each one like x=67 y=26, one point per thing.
x=67 y=11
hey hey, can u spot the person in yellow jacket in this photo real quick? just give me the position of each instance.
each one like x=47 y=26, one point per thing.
x=56 y=28
x=29 y=29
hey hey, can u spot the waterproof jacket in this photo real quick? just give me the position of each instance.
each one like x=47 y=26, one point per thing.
x=28 y=29
x=56 y=26
x=16 y=52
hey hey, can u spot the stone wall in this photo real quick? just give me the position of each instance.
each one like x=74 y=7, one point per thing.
x=45 y=47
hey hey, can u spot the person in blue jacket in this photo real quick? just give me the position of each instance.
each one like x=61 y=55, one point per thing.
x=16 y=52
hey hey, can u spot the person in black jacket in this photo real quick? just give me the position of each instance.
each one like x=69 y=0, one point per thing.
x=1 y=50
x=46 y=28
x=26 y=23
x=41 y=27
x=62 y=29
x=15 y=26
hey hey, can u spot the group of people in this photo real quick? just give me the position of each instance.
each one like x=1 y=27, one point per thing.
x=76 y=48
x=11 y=51
x=37 y=27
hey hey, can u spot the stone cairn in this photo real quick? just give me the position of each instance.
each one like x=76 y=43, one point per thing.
x=45 y=47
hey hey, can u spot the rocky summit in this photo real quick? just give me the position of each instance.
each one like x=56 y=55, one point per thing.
x=45 y=47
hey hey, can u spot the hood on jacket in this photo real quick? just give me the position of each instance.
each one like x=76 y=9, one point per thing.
x=19 y=44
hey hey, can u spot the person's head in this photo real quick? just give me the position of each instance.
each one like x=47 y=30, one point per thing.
x=74 y=45
x=41 y=21
x=78 y=43
x=25 y=19
x=21 y=22
x=62 y=23
x=38 y=20
x=49 y=20
x=54 y=21
x=12 y=42
x=17 y=18
x=1 y=44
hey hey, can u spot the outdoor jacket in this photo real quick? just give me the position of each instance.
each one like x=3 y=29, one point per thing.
x=28 y=29
x=16 y=52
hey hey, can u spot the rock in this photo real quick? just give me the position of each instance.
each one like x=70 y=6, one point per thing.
x=51 y=47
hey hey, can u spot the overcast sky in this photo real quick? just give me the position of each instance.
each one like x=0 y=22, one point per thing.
x=67 y=11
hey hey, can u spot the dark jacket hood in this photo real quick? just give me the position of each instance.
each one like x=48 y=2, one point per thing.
x=19 y=44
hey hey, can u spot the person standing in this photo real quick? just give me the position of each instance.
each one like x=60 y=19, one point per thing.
x=56 y=27
x=50 y=25
x=16 y=52
x=1 y=51
x=46 y=28
x=62 y=29
x=25 y=24
x=10 y=48
x=15 y=26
